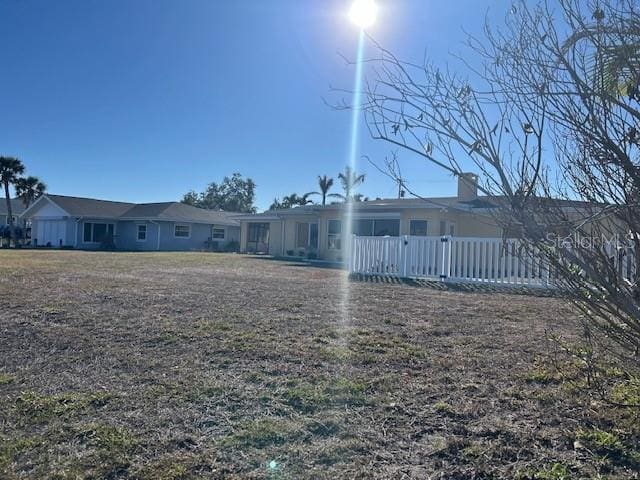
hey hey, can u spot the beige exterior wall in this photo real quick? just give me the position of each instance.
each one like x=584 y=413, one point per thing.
x=282 y=238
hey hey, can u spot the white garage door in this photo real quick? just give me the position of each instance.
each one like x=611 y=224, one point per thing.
x=50 y=232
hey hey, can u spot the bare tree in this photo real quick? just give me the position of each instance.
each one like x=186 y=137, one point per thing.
x=550 y=118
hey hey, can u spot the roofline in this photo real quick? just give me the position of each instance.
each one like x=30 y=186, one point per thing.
x=229 y=223
x=45 y=197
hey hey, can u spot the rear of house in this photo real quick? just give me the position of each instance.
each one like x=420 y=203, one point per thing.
x=319 y=231
x=85 y=223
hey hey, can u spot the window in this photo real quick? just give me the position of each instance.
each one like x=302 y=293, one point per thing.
x=182 y=231
x=302 y=235
x=334 y=239
x=447 y=228
x=258 y=237
x=15 y=220
x=217 y=233
x=142 y=233
x=306 y=235
x=384 y=228
x=418 y=228
x=97 y=232
x=376 y=227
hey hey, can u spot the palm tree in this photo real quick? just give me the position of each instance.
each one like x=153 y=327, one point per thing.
x=10 y=170
x=295 y=200
x=325 y=183
x=349 y=180
x=29 y=189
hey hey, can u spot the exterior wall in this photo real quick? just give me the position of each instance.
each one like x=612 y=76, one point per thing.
x=465 y=224
x=283 y=232
x=69 y=232
x=127 y=236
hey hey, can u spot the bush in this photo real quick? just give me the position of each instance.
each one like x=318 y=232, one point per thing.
x=290 y=253
x=232 y=246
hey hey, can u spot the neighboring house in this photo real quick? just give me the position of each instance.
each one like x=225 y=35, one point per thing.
x=17 y=207
x=319 y=230
x=86 y=223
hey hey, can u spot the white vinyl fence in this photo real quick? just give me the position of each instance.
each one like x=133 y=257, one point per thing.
x=462 y=259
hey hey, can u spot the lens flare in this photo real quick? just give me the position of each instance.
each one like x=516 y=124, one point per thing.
x=363 y=13
x=347 y=215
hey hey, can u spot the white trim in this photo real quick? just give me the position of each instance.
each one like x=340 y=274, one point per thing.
x=219 y=227
x=175 y=225
x=41 y=198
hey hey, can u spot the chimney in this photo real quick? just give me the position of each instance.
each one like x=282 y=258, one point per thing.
x=467 y=187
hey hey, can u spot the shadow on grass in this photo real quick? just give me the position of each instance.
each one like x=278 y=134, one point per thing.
x=456 y=286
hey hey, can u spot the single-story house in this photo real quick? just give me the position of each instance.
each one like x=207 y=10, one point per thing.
x=87 y=223
x=318 y=230
x=17 y=207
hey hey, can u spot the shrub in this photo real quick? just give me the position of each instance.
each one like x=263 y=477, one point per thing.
x=232 y=246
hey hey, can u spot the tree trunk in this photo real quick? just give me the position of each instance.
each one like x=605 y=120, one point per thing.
x=12 y=228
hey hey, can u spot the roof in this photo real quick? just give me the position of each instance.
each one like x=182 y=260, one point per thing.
x=385 y=204
x=164 y=211
x=17 y=206
x=85 y=207
x=181 y=212
x=478 y=205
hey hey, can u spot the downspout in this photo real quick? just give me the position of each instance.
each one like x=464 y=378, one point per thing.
x=282 y=220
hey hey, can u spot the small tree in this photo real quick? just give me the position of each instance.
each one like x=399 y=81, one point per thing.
x=551 y=119
x=10 y=170
x=233 y=194
x=325 y=183
x=29 y=189
x=350 y=180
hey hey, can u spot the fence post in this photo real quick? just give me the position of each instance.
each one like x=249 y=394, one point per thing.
x=404 y=247
x=446 y=258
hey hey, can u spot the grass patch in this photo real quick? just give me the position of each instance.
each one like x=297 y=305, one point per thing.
x=6 y=379
x=11 y=448
x=108 y=438
x=309 y=397
x=38 y=407
x=557 y=471
x=543 y=376
x=259 y=434
x=444 y=408
x=600 y=440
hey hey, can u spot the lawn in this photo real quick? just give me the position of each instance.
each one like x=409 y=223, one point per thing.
x=188 y=365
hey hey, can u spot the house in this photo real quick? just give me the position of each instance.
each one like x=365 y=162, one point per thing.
x=315 y=230
x=87 y=223
x=17 y=207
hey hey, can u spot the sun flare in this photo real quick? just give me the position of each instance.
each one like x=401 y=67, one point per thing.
x=363 y=13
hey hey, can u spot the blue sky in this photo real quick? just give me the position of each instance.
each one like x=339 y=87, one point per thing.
x=144 y=100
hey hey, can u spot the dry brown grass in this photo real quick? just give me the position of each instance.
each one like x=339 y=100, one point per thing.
x=186 y=365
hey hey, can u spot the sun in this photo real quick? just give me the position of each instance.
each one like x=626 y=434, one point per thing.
x=363 y=13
